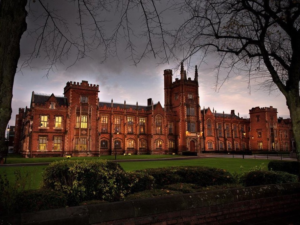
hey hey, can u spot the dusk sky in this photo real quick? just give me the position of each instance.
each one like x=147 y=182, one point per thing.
x=120 y=80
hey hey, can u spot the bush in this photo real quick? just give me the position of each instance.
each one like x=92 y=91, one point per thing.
x=255 y=178
x=35 y=200
x=203 y=176
x=85 y=180
x=285 y=166
x=94 y=180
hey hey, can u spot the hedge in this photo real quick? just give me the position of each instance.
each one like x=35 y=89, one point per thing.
x=292 y=167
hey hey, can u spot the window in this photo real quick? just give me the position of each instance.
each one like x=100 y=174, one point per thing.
x=104 y=124
x=257 y=118
x=83 y=123
x=243 y=146
x=142 y=123
x=229 y=147
x=42 y=143
x=143 y=144
x=260 y=145
x=210 y=145
x=191 y=127
x=57 y=143
x=221 y=145
x=190 y=96
x=220 y=133
x=170 y=125
x=52 y=105
x=190 y=111
x=176 y=96
x=80 y=144
x=130 y=143
x=117 y=144
x=227 y=131
x=77 y=122
x=104 y=144
x=236 y=146
x=285 y=134
x=44 y=121
x=58 y=122
x=117 y=124
x=259 y=134
x=158 y=124
x=83 y=99
x=130 y=125
x=171 y=144
x=209 y=128
x=235 y=132
x=158 y=144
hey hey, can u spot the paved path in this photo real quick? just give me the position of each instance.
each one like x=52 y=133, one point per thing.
x=206 y=155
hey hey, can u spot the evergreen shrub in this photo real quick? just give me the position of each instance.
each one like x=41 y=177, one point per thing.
x=259 y=177
x=292 y=167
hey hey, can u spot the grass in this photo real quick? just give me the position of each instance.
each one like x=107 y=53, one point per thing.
x=16 y=159
x=229 y=164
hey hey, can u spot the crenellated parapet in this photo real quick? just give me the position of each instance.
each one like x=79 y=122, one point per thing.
x=84 y=85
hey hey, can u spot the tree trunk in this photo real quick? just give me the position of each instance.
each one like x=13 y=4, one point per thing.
x=293 y=102
x=12 y=26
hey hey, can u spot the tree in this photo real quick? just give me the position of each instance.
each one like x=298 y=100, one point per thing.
x=70 y=29
x=261 y=37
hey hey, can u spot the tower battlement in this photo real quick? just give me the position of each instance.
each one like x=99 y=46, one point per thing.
x=83 y=85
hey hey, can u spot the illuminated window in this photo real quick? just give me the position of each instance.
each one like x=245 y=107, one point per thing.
x=83 y=123
x=44 y=121
x=171 y=144
x=58 y=122
x=80 y=144
x=117 y=144
x=170 y=125
x=77 y=122
x=191 y=127
x=158 y=124
x=43 y=143
x=129 y=124
x=259 y=134
x=260 y=145
x=104 y=144
x=83 y=99
x=142 y=123
x=57 y=143
x=158 y=144
x=143 y=144
x=104 y=124
x=117 y=124
x=130 y=143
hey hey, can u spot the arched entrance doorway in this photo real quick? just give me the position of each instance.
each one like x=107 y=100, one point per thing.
x=192 y=146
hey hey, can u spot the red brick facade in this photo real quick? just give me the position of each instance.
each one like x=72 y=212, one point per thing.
x=78 y=124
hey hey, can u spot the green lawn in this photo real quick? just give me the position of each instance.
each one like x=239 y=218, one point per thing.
x=229 y=164
x=15 y=159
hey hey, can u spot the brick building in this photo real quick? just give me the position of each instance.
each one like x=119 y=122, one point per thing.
x=78 y=124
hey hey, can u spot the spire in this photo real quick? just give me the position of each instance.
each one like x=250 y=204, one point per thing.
x=181 y=71
x=196 y=74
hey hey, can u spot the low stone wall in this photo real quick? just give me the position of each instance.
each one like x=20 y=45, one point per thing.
x=218 y=207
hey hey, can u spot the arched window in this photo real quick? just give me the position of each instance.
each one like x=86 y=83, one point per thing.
x=236 y=146
x=104 y=144
x=117 y=144
x=229 y=147
x=221 y=145
x=143 y=144
x=130 y=143
x=210 y=145
x=158 y=144
x=209 y=128
x=158 y=124
x=171 y=144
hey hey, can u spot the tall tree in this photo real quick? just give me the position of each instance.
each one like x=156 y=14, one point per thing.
x=261 y=37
